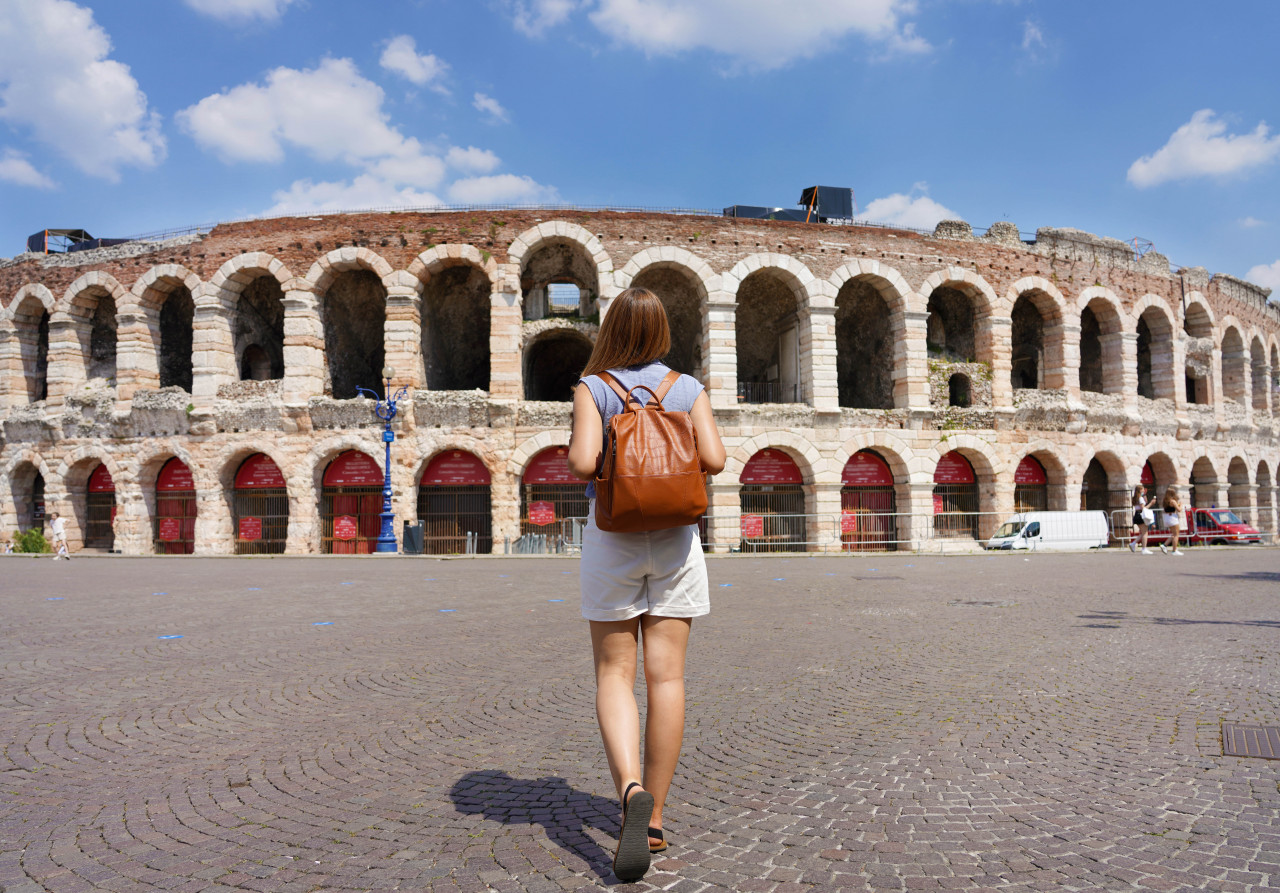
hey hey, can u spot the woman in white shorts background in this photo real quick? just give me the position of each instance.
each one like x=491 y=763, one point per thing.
x=639 y=587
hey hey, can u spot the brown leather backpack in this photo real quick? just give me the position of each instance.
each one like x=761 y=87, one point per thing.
x=651 y=477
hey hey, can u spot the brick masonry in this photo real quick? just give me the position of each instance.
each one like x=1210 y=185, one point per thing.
x=132 y=425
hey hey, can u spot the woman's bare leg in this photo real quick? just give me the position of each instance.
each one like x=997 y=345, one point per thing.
x=1143 y=529
x=613 y=643
x=666 y=640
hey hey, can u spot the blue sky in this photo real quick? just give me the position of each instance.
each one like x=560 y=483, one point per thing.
x=1148 y=119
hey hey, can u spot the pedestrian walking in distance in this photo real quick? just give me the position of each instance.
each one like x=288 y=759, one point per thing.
x=1143 y=517
x=639 y=588
x=1172 y=519
x=58 y=528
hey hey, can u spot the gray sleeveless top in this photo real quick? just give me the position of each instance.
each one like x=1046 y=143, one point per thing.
x=680 y=398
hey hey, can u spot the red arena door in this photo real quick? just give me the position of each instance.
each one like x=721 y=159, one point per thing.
x=955 y=497
x=771 y=499
x=175 y=531
x=350 y=505
x=1030 y=486
x=867 y=504
x=100 y=510
x=260 y=507
x=549 y=493
x=454 y=504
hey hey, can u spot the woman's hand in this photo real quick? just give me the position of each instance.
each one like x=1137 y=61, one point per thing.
x=710 y=447
x=586 y=440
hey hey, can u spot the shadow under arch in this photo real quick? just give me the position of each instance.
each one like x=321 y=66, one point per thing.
x=563 y=812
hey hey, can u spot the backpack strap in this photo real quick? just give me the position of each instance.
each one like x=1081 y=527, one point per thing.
x=613 y=383
x=666 y=384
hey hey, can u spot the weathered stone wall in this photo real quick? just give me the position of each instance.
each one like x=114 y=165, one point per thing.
x=441 y=298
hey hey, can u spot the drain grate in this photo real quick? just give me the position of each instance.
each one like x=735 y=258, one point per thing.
x=1250 y=741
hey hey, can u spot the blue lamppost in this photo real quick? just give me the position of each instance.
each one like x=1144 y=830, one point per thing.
x=386 y=410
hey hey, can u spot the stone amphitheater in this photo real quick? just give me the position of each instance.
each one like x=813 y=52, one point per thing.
x=876 y=387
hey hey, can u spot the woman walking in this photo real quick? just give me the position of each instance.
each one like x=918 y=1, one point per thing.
x=639 y=587
x=1172 y=518
x=1142 y=518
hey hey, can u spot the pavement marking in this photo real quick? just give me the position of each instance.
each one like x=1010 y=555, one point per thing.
x=159 y=593
x=56 y=598
x=725 y=584
x=447 y=610
x=323 y=623
x=168 y=637
x=553 y=600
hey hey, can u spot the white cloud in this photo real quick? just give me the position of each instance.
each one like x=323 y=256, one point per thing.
x=908 y=209
x=1032 y=37
x=364 y=191
x=762 y=34
x=14 y=168
x=472 y=160
x=1202 y=148
x=490 y=106
x=57 y=81
x=1266 y=275
x=240 y=11
x=402 y=57
x=1250 y=222
x=500 y=188
x=534 y=17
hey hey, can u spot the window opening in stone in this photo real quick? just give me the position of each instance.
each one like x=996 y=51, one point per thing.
x=678 y=292
x=1090 y=352
x=1238 y=490
x=558 y=262
x=354 y=310
x=563 y=299
x=1156 y=373
x=958 y=390
x=1028 y=344
x=767 y=332
x=33 y=345
x=864 y=347
x=455 y=505
x=771 y=504
x=259 y=324
x=1258 y=374
x=102 y=339
x=951 y=324
x=1196 y=322
x=553 y=364
x=177 y=315
x=1145 y=386
x=26 y=485
x=455 y=329
x=1233 y=375
x=1197 y=386
x=1204 y=485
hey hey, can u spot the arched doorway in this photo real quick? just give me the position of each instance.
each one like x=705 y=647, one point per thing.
x=260 y=507
x=549 y=493
x=864 y=347
x=1094 y=494
x=1204 y=485
x=175 y=519
x=1030 y=486
x=454 y=505
x=771 y=498
x=868 y=506
x=350 y=505
x=100 y=510
x=955 y=497
x=767 y=335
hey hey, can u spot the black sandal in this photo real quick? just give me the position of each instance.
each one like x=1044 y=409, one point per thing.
x=631 y=860
x=656 y=834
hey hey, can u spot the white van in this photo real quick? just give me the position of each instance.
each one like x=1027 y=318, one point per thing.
x=1052 y=532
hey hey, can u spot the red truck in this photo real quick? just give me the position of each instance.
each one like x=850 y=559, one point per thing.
x=1205 y=527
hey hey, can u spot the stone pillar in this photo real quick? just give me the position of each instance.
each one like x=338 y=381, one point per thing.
x=66 y=359
x=213 y=358
x=720 y=351
x=1055 y=372
x=1215 y=384
x=919 y=533
x=999 y=335
x=213 y=521
x=13 y=392
x=1244 y=497
x=136 y=365
x=1071 y=360
x=504 y=496
x=1002 y=499
x=818 y=362
x=402 y=331
x=1178 y=352
x=506 y=377
x=1118 y=375
x=304 y=521
x=724 y=512
x=824 y=529
x=911 y=361
x=133 y=520
x=304 y=359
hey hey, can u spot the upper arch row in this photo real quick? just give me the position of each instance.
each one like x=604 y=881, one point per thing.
x=716 y=288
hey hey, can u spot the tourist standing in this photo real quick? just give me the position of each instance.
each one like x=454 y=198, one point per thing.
x=1172 y=519
x=639 y=587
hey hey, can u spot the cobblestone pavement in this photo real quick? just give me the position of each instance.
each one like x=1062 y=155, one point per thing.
x=979 y=722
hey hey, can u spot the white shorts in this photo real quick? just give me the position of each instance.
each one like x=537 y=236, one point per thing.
x=624 y=575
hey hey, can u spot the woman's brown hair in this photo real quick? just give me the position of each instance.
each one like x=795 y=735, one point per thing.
x=1171 y=498
x=635 y=331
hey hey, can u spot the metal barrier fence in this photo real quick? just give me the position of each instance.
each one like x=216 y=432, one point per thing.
x=1123 y=531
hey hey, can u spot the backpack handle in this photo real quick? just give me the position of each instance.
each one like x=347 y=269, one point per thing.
x=663 y=388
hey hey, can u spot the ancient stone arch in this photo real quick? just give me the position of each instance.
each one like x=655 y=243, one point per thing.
x=1038 y=318
x=524 y=249
x=526 y=449
x=84 y=330
x=156 y=332
x=24 y=345
x=1199 y=320
x=1157 y=337
x=684 y=284
x=1235 y=380
x=772 y=296
x=813 y=468
x=872 y=335
x=454 y=286
x=1101 y=346
x=899 y=455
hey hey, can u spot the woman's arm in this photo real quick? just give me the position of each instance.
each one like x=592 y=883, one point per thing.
x=710 y=447
x=586 y=440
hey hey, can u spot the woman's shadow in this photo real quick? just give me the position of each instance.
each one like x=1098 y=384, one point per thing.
x=564 y=813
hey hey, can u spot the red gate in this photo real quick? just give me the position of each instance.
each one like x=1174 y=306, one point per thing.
x=549 y=492
x=771 y=500
x=350 y=505
x=175 y=519
x=260 y=507
x=100 y=510
x=867 y=505
x=1030 y=486
x=454 y=501
x=955 y=497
